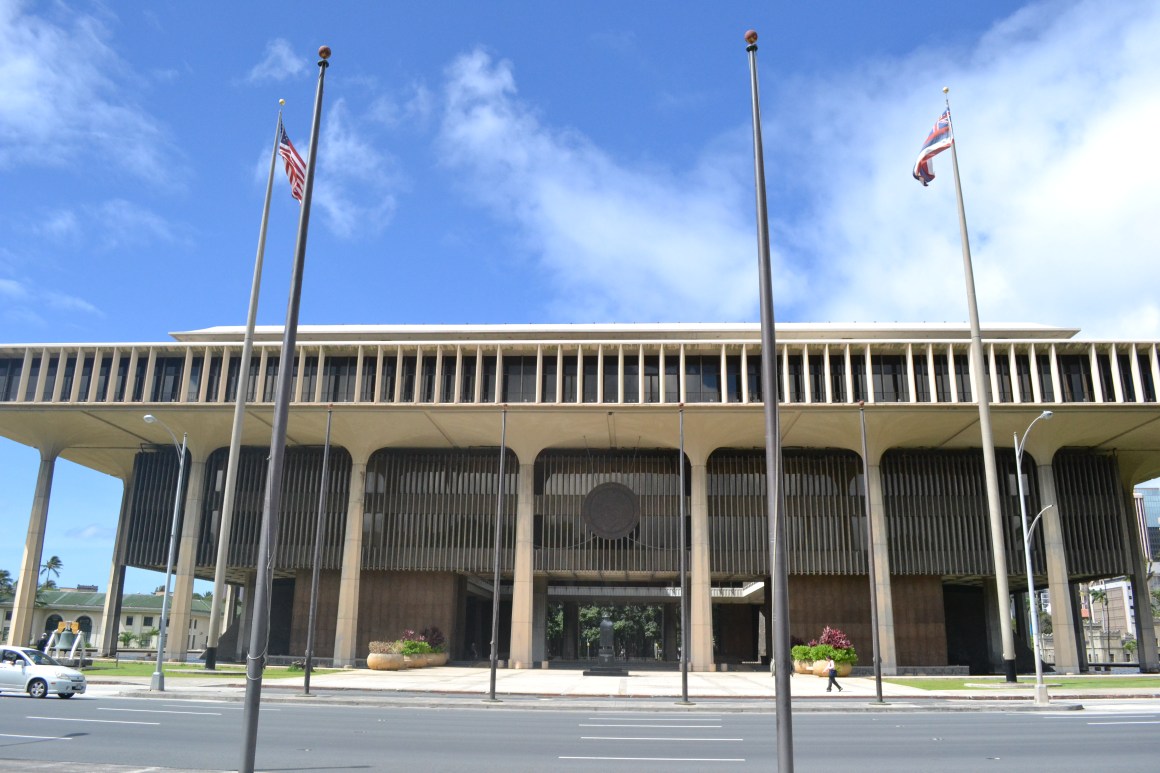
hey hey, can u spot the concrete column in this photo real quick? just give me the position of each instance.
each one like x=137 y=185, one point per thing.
x=1145 y=622
x=177 y=640
x=111 y=616
x=994 y=630
x=24 y=602
x=571 y=630
x=346 y=628
x=1064 y=634
x=887 y=649
x=539 y=619
x=522 y=654
x=700 y=584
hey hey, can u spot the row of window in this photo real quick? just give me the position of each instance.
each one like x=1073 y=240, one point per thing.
x=583 y=378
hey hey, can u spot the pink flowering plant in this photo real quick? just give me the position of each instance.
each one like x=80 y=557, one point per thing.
x=833 y=643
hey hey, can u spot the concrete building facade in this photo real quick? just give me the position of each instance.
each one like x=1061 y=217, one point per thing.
x=590 y=490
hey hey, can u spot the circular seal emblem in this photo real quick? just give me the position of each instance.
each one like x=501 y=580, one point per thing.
x=611 y=510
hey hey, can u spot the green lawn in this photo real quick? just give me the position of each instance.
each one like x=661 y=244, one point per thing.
x=1051 y=680
x=144 y=668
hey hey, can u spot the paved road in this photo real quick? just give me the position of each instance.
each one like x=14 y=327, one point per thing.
x=186 y=734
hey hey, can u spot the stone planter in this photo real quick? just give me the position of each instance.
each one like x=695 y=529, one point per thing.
x=379 y=661
x=414 y=661
x=437 y=659
x=803 y=666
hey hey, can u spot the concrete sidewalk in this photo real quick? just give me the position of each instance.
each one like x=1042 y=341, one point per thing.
x=752 y=690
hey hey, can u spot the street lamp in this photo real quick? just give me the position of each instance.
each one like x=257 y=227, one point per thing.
x=158 y=680
x=1040 y=688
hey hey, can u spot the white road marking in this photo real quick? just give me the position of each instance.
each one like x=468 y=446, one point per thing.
x=37 y=737
x=163 y=711
x=659 y=738
x=104 y=721
x=669 y=727
x=657 y=759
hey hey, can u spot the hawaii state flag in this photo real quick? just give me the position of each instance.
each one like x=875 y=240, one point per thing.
x=295 y=166
x=939 y=140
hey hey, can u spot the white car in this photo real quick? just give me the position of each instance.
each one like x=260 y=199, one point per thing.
x=28 y=670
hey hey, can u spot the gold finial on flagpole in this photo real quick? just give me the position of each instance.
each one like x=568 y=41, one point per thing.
x=324 y=52
x=946 y=89
x=282 y=102
x=751 y=36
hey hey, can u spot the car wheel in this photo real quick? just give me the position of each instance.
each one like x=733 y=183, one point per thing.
x=65 y=694
x=38 y=688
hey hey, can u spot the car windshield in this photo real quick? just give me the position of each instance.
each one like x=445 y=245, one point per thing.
x=39 y=658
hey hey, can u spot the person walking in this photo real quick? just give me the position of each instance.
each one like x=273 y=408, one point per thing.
x=832 y=672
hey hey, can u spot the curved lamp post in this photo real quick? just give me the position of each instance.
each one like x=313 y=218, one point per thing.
x=158 y=680
x=1040 y=687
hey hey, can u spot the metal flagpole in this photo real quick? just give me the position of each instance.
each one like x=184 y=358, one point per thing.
x=775 y=493
x=317 y=555
x=227 y=519
x=272 y=504
x=870 y=557
x=498 y=536
x=1002 y=590
x=684 y=701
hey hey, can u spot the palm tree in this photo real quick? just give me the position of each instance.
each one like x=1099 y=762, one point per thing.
x=126 y=638
x=51 y=568
x=6 y=586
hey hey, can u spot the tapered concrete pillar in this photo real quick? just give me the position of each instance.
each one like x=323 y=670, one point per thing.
x=24 y=602
x=177 y=640
x=994 y=631
x=111 y=615
x=346 y=627
x=523 y=591
x=700 y=583
x=1064 y=634
x=887 y=648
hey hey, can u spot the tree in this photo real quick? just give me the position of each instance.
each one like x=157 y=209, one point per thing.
x=7 y=587
x=145 y=638
x=51 y=568
x=126 y=638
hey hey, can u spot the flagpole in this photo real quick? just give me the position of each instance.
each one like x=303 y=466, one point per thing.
x=272 y=504
x=775 y=494
x=1002 y=590
x=227 y=519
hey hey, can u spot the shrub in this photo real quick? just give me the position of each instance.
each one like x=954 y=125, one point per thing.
x=433 y=636
x=416 y=647
x=387 y=647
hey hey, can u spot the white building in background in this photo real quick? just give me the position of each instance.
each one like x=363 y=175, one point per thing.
x=84 y=605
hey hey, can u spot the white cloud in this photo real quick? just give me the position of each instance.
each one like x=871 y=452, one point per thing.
x=118 y=223
x=1052 y=108
x=355 y=181
x=620 y=243
x=66 y=97
x=12 y=290
x=279 y=63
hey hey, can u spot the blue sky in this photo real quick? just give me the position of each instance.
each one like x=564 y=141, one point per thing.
x=543 y=162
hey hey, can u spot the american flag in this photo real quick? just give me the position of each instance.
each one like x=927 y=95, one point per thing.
x=939 y=140
x=295 y=166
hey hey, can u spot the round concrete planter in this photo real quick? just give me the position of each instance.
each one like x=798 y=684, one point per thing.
x=384 y=662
